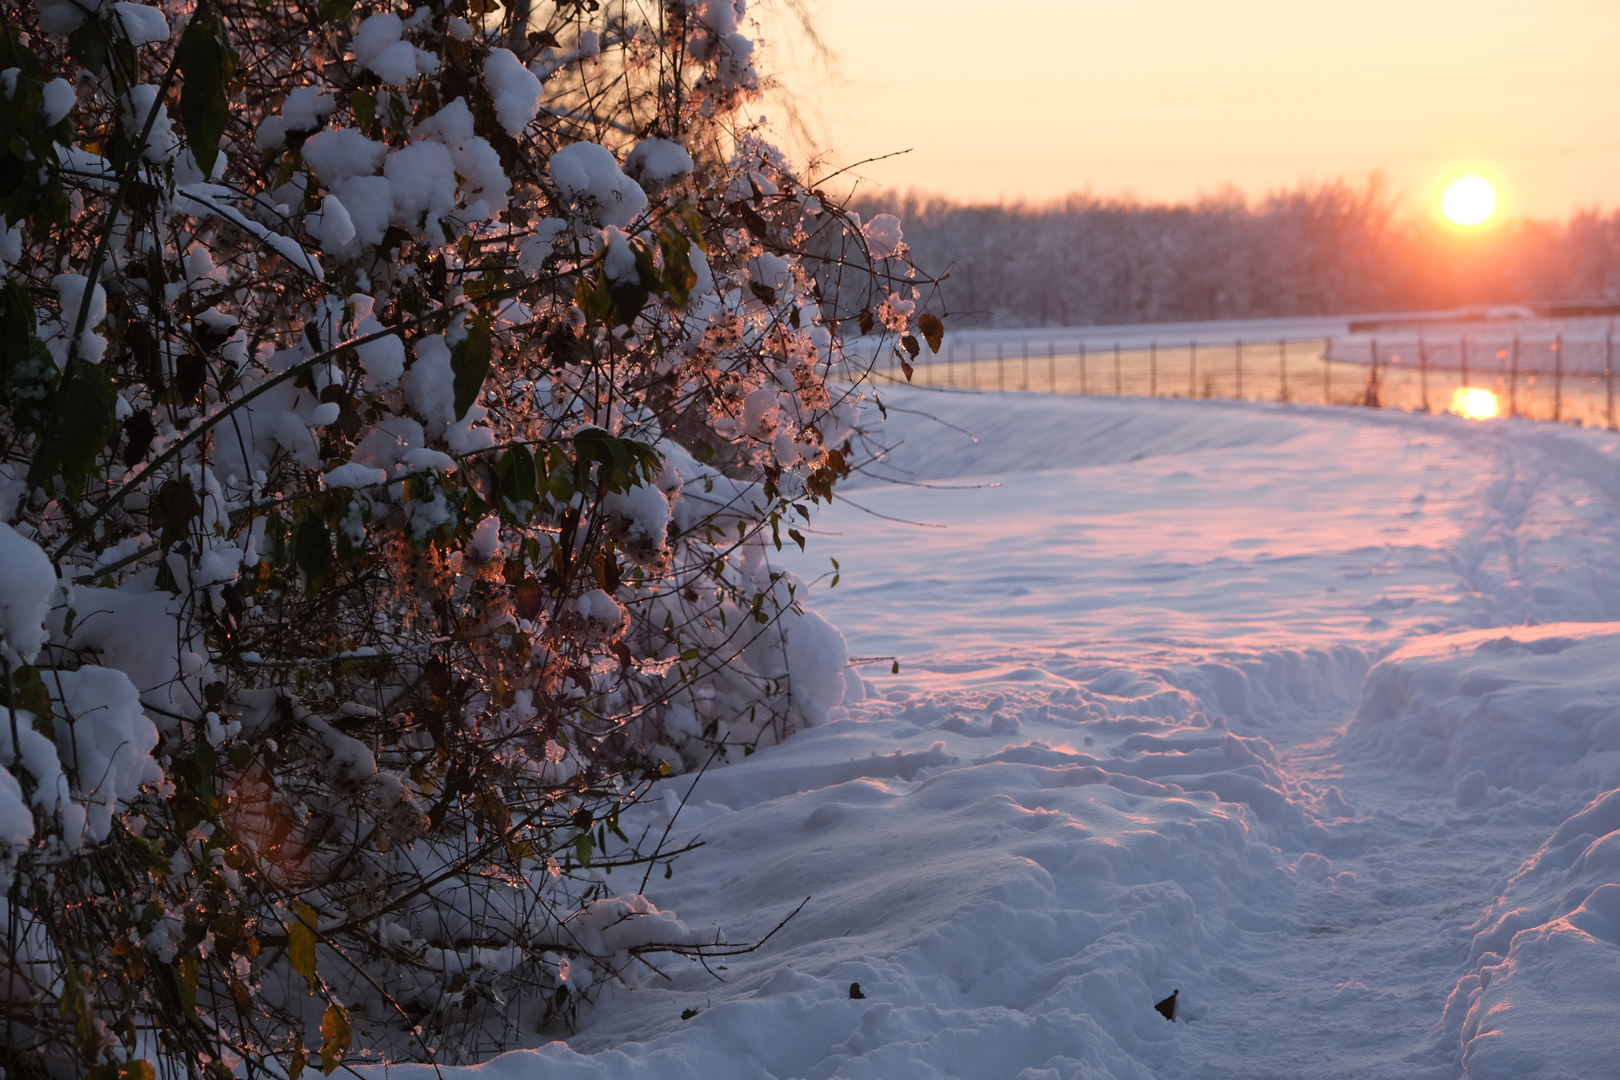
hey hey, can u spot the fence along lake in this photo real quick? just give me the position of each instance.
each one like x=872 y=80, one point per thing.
x=1535 y=365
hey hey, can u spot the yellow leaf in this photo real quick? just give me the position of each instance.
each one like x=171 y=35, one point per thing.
x=301 y=940
x=188 y=977
x=335 y=1035
x=295 y=1064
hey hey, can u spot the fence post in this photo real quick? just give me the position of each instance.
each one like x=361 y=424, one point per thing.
x=1001 y=377
x=1372 y=398
x=1608 y=370
x=1462 y=345
x=1558 y=378
x=1282 y=369
x=1240 y=369
x=1117 y=384
x=1192 y=370
x=1513 y=380
x=973 y=365
x=1083 y=389
x=1153 y=369
x=1051 y=367
x=1423 y=371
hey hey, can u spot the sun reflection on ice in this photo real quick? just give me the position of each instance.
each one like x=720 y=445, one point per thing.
x=1474 y=403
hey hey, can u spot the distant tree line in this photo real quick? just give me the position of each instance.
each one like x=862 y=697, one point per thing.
x=1317 y=249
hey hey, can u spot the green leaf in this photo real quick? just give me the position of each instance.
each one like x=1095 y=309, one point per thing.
x=28 y=375
x=205 y=771
x=82 y=420
x=592 y=299
x=617 y=303
x=629 y=297
x=30 y=167
x=206 y=62
x=301 y=941
x=336 y=1034
x=89 y=42
x=165 y=578
x=312 y=551
x=176 y=508
x=470 y=361
x=364 y=106
x=583 y=846
x=28 y=691
x=336 y=10
x=517 y=482
x=186 y=969
x=624 y=462
x=678 y=278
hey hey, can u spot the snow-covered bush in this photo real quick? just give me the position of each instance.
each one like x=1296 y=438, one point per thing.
x=400 y=406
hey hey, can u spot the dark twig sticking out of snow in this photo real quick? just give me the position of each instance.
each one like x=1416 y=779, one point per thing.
x=1167 y=1007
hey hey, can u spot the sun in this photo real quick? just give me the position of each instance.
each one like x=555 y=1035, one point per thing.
x=1470 y=200
x=1474 y=403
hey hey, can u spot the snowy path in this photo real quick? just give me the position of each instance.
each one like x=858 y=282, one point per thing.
x=1441 y=525
x=1120 y=760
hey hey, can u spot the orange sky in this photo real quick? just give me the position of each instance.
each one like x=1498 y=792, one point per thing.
x=1169 y=98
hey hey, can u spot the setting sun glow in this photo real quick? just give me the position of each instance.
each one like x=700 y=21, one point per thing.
x=1470 y=200
x=1474 y=403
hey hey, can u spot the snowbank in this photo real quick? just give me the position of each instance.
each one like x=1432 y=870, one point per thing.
x=1004 y=904
x=1540 y=998
x=1521 y=707
x=1493 y=715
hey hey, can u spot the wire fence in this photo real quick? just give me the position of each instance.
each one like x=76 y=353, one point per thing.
x=1564 y=381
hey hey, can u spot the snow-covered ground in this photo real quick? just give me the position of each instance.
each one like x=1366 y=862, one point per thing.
x=1307 y=714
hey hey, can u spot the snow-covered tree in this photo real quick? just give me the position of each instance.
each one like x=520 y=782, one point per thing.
x=400 y=407
x=1315 y=249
